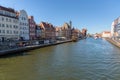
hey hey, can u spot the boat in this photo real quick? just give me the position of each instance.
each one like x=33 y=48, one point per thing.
x=74 y=39
x=95 y=37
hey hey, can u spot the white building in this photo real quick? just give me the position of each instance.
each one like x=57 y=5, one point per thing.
x=112 y=29
x=58 y=32
x=118 y=27
x=115 y=29
x=9 y=24
x=24 y=25
x=106 y=34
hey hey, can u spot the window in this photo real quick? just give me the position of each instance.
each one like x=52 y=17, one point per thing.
x=25 y=28
x=24 y=18
x=3 y=25
x=14 y=21
x=10 y=32
x=2 y=19
x=13 y=26
x=5 y=12
x=16 y=26
x=26 y=24
x=9 y=20
x=3 y=31
x=16 y=32
x=0 y=25
x=10 y=26
x=0 y=31
x=20 y=32
x=7 y=31
x=7 y=26
x=1 y=12
x=6 y=19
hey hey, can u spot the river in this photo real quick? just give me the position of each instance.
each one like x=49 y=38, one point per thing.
x=88 y=59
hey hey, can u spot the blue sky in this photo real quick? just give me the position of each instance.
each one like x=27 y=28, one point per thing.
x=95 y=15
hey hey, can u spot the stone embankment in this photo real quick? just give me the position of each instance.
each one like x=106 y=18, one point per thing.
x=113 y=42
x=26 y=48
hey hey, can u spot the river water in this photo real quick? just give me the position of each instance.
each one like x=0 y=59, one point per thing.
x=88 y=59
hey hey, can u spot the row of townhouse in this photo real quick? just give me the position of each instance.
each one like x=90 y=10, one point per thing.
x=67 y=32
x=48 y=31
x=13 y=25
x=17 y=25
x=115 y=29
x=64 y=31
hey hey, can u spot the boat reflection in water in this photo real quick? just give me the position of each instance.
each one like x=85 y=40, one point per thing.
x=97 y=36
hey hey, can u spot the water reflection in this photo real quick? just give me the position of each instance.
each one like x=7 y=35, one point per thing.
x=84 y=60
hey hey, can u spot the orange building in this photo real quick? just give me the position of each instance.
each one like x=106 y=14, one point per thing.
x=32 y=28
x=76 y=33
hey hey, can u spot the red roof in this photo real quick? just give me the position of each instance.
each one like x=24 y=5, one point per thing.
x=46 y=25
x=106 y=32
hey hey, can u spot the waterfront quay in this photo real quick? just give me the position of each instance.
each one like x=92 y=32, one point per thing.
x=22 y=46
x=20 y=32
x=114 y=42
x=87 y=59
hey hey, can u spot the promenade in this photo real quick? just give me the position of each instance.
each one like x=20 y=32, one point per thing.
x=17 y=49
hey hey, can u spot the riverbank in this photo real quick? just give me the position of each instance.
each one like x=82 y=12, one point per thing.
x=113 y=42
x=26 y=48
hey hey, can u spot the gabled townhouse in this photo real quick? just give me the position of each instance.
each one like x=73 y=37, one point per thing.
x=40 y=33
x=48 y=30
x=76 y=33
x=58 y=32
x=32 y=28
x=24 y=25
x=66 y=31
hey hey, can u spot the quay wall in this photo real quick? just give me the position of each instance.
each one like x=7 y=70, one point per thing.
x=26 y=48
x=113 y=42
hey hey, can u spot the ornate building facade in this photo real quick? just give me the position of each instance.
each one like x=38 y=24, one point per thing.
x=66 y=31
x=32 y=28
x=24 y=25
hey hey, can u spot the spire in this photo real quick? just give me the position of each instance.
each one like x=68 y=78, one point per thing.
x=70 y=23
